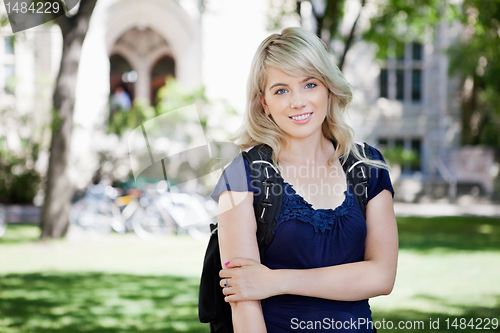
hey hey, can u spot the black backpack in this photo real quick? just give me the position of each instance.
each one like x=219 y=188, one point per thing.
x=211 y=306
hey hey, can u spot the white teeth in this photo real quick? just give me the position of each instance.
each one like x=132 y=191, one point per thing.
x=304 y=116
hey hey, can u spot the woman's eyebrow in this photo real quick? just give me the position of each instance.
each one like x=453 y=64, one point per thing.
x=285 y=85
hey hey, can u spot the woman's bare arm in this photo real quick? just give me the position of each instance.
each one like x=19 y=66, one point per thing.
x=372 y=277
x=237 y=238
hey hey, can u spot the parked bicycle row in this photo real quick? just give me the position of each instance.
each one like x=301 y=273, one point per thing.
x=149 y=212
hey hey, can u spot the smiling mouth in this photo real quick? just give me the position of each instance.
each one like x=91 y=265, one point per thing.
x=301 y=117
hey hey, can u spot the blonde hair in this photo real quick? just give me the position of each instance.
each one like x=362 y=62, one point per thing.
x=297 y=52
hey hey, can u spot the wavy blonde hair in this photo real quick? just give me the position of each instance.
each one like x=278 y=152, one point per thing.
x=297 y=52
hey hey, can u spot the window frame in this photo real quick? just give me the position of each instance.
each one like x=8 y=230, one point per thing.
x=7 y=59
x=408 y=144
x=406 y=65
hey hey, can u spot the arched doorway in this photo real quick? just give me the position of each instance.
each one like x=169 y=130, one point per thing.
x=122 y=75
x=146 y=52
x=162 y=69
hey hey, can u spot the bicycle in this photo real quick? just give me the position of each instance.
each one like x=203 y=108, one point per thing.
x=96 y=211
x=179 y=213
x=150 y=214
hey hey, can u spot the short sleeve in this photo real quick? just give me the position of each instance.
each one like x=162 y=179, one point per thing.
x=379 y=177
x=235 y=177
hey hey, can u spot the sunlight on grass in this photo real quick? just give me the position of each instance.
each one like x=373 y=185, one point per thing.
x=18 y=233
x=172 y=255
x=444 y=283
x=449 y=233
x=448 y=268
x=82 y=302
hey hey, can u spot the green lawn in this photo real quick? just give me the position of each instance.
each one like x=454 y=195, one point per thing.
x=448 y=268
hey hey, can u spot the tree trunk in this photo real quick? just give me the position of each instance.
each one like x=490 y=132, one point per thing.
x=58 y=191
x=468 y=107
x=350 y=39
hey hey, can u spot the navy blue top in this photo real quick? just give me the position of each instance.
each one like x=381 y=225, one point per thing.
x=309 y=238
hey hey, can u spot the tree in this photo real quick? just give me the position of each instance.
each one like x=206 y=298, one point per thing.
x=477 y=60
x=58 y=193
x=327 y=16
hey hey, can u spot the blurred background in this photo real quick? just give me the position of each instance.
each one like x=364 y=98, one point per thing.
x=87 y=247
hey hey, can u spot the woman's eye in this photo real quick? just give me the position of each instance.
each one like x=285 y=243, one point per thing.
x=311 y=85
x=280 y=91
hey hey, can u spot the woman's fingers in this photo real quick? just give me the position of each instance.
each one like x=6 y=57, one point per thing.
x=233 y=298
x=233 y=265
x=224 y=283
x=228 y=291
x=245 y=279
x=238 y=262
x=228 y=273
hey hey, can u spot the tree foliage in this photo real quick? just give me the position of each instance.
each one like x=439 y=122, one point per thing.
x=477 y=60
x=327 y=14
x=19 y=178
x=475 y=57
x=407 y=21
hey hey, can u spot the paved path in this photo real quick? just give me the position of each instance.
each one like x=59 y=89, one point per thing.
x=31 y=214
x=446 y=209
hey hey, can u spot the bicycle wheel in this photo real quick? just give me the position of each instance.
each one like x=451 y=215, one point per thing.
x=149 y=224
x=92 y=216
x=200 y=232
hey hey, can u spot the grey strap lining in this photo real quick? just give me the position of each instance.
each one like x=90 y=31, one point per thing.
x=352 y=166
x=261 y=161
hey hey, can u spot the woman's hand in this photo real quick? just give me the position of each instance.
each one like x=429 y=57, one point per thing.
x=247 y=280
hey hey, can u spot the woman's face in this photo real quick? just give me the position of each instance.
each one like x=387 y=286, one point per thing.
x=297 y=104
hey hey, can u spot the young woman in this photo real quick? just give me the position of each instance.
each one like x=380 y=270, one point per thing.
x=326 y=259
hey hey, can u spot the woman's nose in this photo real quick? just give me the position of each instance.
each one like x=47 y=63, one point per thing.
x=297 y=101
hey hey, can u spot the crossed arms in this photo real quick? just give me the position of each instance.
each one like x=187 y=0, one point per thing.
x=249 y=281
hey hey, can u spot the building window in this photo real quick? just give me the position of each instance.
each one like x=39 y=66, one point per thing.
x=401 y=74
x=416 y=85
x=9 y=72
x=416 y=51
x=400 y=84
x=416 y=147
x=384 y=83
x=406 y=152
x=9 y=45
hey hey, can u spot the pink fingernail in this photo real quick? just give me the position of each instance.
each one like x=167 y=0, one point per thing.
x=227 y=263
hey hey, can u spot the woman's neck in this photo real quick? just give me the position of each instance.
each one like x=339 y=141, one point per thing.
x=314 y=150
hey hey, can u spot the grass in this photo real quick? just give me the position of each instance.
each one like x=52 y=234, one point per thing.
x=98 y=302
x=112 y=283
x=449 y=233
x=448 y=268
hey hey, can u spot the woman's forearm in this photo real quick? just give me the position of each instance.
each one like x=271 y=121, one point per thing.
x=247 y=317
x=237 y=229
x=347 y=282
x=372 y=277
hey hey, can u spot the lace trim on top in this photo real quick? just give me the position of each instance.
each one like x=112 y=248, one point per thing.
x=295 y=206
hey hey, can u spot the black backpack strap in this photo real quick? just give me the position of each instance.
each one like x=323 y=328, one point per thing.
x=211 y=305
x=265 y=177
x=358 y=174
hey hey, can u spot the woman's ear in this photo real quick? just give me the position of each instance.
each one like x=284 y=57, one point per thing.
x=263 y=102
